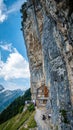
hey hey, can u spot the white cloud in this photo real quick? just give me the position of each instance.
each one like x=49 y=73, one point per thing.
x=15 y=67
x=7 y=47
x=2 y=16
x=12 y=86
x=4 y=12
x=3 y=9
x=16 y=6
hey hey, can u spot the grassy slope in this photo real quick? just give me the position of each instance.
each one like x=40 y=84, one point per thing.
x=19 y=121
x=15 y=107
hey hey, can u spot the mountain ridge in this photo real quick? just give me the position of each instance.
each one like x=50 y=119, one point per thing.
x=1 y=87
x=8 y=96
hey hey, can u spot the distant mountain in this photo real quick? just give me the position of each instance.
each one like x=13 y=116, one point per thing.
x=15 y=107
x=8 y=96
x=1 y=87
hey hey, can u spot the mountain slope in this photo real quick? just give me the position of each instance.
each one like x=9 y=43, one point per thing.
x=7 y=97
x=15 y=117
x=15 y=107
x=19 y=121
x=1 y=87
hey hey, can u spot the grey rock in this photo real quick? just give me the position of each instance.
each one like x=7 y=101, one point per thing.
x=48 y=32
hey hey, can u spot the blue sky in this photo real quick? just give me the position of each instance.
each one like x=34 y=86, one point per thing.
x=14 y=67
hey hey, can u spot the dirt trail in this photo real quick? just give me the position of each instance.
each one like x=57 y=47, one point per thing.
x=42 y=124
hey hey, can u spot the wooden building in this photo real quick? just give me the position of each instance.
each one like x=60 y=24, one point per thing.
x=42 y=96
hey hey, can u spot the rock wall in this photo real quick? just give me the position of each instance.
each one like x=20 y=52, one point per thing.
x=33 y=45
x=48 y=31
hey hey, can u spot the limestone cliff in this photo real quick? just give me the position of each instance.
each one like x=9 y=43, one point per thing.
x=48 y=31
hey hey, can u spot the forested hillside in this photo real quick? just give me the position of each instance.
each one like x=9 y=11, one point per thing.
x=22 y=121
x=15 y=107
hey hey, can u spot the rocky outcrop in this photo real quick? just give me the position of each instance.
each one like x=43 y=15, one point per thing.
x=33 y=44
x=48 y=31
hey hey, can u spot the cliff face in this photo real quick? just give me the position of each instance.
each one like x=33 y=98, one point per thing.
x=33 y=44
x=48 y=31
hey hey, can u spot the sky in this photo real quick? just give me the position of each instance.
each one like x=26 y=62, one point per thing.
x=14 y=66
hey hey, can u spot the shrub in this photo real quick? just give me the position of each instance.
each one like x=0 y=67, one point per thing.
x=32 y=123
x=64 y=115
x=21 y=109
x=31 y=107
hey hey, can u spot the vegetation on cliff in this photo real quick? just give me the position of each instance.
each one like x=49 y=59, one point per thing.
x=22 y=121
x=15 y=107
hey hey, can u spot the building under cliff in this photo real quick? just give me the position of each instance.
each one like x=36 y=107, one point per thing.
x=47 y=27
